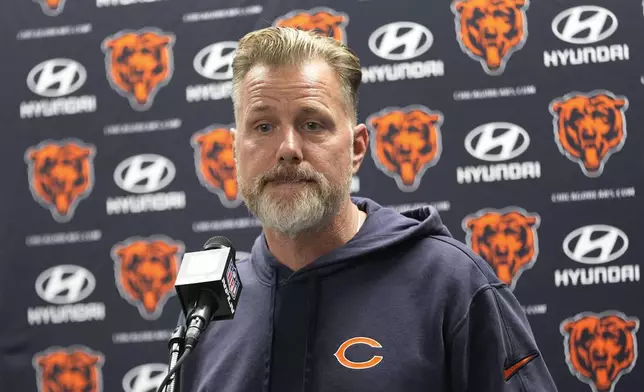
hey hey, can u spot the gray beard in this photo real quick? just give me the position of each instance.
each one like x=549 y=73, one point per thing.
x=310 y=210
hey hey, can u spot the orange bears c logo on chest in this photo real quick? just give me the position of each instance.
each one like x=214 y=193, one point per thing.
x=341 y=354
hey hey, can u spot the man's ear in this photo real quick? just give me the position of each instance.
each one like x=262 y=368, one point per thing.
x=360 y=145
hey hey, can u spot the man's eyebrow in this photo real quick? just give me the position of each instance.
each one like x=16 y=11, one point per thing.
x=313 y=109
x=309 y=109
x=260 y=108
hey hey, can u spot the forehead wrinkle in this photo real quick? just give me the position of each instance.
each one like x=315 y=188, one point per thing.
x=262 y=100
x=263 y=87
x=295 y=82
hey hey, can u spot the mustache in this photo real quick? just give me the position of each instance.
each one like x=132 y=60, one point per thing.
x=288 y=173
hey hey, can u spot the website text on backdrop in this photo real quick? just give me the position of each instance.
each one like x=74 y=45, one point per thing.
x=340 y=293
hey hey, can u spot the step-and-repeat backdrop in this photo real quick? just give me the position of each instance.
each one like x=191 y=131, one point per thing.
x=116 y=149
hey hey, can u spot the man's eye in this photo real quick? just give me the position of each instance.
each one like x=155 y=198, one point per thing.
x=312 y=126
x=265 y=128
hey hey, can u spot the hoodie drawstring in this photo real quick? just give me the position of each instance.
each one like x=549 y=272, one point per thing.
x=311 y=333
x=271 y=318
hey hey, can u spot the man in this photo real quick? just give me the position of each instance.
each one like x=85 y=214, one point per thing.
x=341 y=294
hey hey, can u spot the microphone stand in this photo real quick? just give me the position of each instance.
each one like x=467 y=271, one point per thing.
x=175 y=344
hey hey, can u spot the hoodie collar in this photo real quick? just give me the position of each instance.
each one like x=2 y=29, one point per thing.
x=382 y=228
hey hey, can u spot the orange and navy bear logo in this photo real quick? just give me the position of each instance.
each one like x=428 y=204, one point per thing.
x=138 y=64
x=51 y=7
x=215 y=163
x=145 y=271
x=72 y=369
x=507 y=239
x=600 y=348
x=405 y=142
x=322 y=20
x=589 y=128
x=490 y=31
x=61 y=174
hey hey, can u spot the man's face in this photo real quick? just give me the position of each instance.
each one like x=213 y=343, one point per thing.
x=294 y=146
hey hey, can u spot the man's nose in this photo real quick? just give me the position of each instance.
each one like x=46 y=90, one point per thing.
x=290 y=150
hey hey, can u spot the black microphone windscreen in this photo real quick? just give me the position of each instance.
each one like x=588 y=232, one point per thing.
x=217 y=242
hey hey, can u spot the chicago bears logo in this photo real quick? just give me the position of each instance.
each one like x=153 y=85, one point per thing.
x=341 y=353
x=51 y=7
x=405 y=143
x=72 y=369
x=506 y=239
x=138 y=64
x=61 y=174
x=490 y=31
x=145 y=270
x=322 y=20
x=600 y=348
x=215 y=163
x=589 y=128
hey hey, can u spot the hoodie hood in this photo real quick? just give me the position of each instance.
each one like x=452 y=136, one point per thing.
x=383 y=228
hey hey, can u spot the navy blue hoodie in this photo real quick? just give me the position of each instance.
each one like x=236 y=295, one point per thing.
x=401 y=307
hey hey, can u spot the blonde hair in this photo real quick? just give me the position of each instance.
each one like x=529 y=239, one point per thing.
x=275 y=46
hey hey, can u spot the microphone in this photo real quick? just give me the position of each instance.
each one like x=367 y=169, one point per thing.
x=208 y=286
